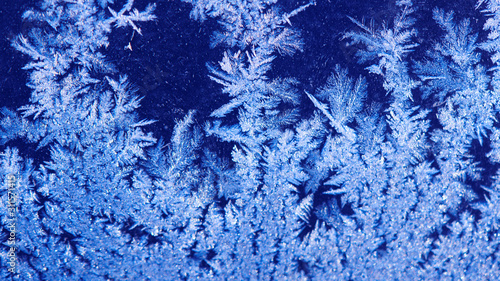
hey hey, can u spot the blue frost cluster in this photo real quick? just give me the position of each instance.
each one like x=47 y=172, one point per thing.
x=350 y=191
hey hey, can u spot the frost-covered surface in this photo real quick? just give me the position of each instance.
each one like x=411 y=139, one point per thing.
x=405 y=188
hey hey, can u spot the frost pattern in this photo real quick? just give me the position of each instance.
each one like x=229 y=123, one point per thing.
x=352 y=191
